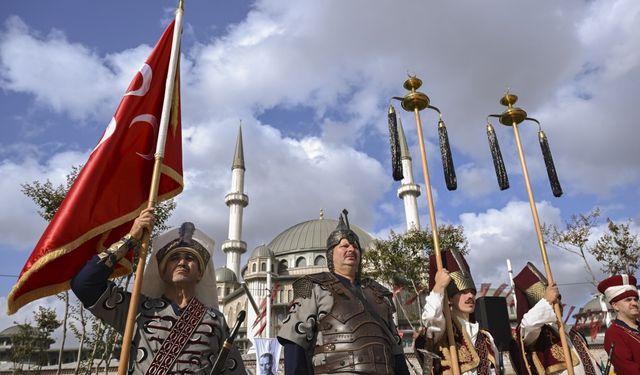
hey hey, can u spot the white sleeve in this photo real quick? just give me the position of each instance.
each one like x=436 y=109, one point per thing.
x=540 y=314
x=433 y=317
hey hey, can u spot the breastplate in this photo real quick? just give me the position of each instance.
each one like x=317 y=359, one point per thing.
x=350 y=339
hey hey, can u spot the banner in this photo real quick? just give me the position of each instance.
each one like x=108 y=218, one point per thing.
x=112 y=187
x=267 y=356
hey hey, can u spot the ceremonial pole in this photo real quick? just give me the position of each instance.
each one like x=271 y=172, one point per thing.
x=513 y=290
x=513 y=116
x=416 y=101
x=153 y=192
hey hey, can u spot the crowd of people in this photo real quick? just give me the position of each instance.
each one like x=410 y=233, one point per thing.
x=341 y=322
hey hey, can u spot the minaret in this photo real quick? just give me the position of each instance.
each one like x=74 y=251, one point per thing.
x=236 y=200
x=408 y=190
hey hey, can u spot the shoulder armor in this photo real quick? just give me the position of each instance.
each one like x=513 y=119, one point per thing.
x=376 y=287
x=302 y=287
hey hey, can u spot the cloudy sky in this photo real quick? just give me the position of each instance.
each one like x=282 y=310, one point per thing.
x=310 y=81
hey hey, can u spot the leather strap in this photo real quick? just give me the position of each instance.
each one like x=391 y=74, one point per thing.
x=173 y=345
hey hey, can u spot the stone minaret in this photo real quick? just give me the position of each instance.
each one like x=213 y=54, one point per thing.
x=408 y=190
x=236 y=200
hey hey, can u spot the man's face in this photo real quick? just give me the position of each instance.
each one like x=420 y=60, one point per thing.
x=346 y=255
x=265 y=364
x=628 y=307
x=465 y=301
x=181 y=267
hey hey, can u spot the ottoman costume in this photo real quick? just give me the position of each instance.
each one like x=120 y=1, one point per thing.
x=167 y=339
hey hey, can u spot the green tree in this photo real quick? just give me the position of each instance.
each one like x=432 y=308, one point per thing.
x=403 y=258
x=618 y=250
x=30 y=344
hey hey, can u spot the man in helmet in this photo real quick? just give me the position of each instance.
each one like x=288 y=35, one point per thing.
x=624 y=332
x=476 y=349
x=178 y=300
x=538 y=340
x=339 y=322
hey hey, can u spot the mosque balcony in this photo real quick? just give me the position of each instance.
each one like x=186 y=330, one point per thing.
x=236 y=198
x=408 y=189
x=234 y=245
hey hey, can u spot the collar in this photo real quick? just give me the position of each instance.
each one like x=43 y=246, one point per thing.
x=625 y=325
x=347 y=282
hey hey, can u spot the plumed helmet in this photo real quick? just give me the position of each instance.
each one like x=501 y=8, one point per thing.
x=529 y=286
x=458 y=268
x=342 y=231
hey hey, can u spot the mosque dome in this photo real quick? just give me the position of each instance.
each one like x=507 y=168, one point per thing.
x=223 y=274
x=261 y=251
x=311 y=235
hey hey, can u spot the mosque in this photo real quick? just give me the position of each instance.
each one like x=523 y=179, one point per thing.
x=272 y=268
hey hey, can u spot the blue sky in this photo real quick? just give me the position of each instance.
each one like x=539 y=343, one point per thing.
x=311 y=81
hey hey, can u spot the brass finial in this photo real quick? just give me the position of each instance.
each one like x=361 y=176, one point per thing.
x=512 y=115
x=321 y=214
x=414 y=99
x=181 y=4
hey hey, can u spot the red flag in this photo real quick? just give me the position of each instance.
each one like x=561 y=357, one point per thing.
x=484 y=288
x=569 y=314
x=113 y=186
x=262 y=311
x=500 y=289
x=262 y=327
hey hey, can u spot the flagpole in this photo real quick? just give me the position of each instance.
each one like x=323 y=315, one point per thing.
x=269 y=291
x=510 y=272
x=153 y=191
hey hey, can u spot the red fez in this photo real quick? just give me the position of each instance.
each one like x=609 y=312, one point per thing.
x=618 y=287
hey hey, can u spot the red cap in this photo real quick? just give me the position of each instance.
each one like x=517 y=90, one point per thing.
x=618 y=287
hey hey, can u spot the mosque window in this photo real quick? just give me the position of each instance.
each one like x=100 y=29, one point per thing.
x=263 y=266
x=283 y=266
x=289 y=296
x=301 y=262
x=219 y=291
x=226 y=291
x=320 y=261
x=253 y=268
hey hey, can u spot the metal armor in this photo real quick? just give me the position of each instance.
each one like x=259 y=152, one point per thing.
x=350 y=338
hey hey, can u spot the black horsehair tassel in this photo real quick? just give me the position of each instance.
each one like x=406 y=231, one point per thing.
x=394 y=141
x=548 y=161
x=447 y=160
x=498 y=163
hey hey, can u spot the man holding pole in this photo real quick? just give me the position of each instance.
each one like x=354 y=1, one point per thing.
x=624 y=332
x=538 y=338
x=339 y=323
x=476 y=349
x=178 y=328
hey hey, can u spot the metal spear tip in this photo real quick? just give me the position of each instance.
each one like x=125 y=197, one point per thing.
x=413 y=83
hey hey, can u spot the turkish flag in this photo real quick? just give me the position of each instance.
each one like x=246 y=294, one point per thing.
x=112 y=187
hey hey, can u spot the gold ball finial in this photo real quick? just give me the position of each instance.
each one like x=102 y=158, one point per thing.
x=512 y=115
x=412 y=83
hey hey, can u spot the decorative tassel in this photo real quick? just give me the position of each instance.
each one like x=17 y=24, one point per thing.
x=447 y=160
x=548 y=161
x=496 y=154
x=394 y=141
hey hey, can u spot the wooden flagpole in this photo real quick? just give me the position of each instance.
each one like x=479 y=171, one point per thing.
x=153 y=192
x=416 y=101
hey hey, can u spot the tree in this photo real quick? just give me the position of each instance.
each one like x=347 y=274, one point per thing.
x=403 y=258
x=574 y=238
x=402 y=261
x=618 y=250
x=30 y=344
